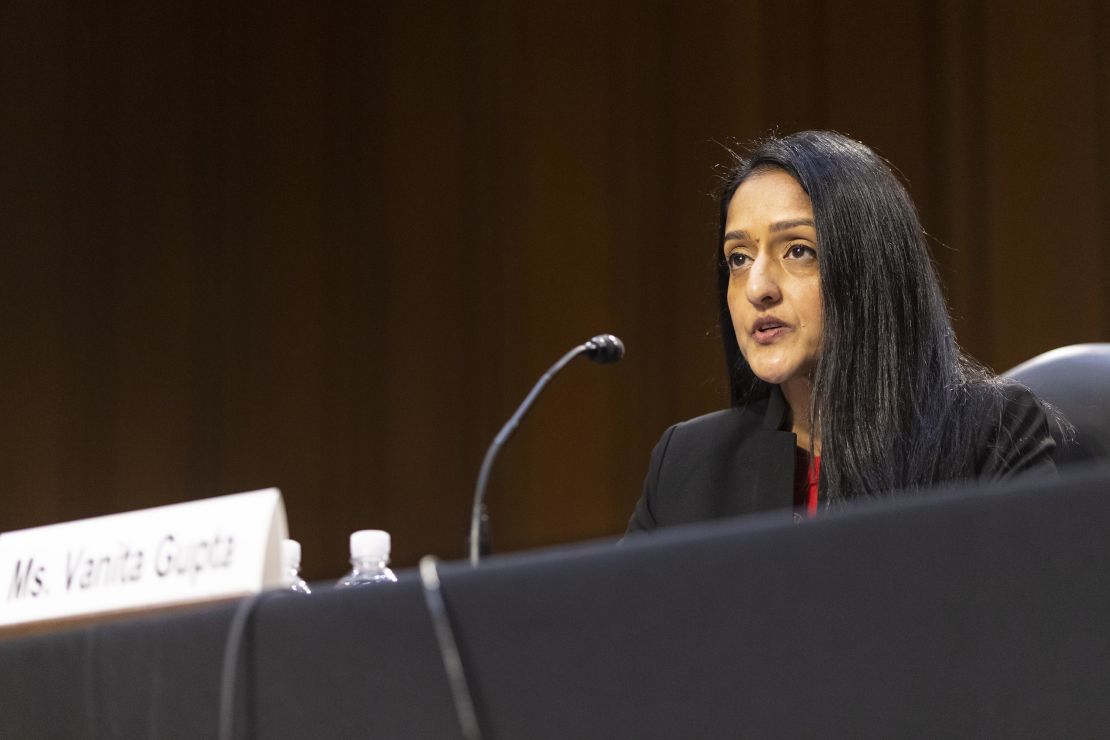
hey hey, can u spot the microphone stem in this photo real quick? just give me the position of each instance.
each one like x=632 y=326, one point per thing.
x=500 y=439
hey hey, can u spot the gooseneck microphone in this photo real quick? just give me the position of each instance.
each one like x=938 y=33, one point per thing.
x=604 y=349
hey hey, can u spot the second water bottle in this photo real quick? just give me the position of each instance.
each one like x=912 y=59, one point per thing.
x=369 y=559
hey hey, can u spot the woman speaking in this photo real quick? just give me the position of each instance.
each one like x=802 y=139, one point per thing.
x=846 y=379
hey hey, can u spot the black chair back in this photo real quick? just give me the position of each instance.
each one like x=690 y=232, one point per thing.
x=1076 y=380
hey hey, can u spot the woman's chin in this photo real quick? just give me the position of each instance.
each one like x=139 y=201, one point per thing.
x=775 y=375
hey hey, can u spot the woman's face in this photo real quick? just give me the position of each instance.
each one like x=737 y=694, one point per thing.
x=774 y=289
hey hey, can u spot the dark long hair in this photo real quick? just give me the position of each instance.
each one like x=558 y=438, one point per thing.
x=892 y=401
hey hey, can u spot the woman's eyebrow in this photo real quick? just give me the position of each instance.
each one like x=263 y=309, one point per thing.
x=741 y=235
x=793 y=223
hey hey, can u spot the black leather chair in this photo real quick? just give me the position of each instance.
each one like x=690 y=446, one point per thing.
x=1076 y=380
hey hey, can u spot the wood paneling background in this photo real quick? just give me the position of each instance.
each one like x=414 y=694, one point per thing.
x=329 y=246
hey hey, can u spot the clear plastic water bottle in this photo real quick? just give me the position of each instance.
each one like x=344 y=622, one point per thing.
x=291 y=567
x=369 y=558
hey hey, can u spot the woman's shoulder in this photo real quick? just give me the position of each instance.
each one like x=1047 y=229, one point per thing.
x=1014 y=434
x=726 y=422
x=1004 y=404
x=702 y=467
x=714 y=437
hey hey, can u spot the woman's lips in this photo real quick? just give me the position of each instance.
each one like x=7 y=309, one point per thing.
x=767 y=330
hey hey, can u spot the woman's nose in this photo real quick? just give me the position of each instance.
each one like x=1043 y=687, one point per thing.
x=763 y=284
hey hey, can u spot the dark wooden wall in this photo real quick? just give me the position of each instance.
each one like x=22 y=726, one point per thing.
x=329 y=246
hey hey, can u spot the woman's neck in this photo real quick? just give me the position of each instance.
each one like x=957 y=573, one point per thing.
x=797 y=392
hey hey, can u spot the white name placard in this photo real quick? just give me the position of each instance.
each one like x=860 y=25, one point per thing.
x=183 y=553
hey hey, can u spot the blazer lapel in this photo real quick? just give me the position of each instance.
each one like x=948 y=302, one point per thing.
x=772 y=473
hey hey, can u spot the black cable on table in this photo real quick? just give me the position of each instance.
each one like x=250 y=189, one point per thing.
x=449 y=649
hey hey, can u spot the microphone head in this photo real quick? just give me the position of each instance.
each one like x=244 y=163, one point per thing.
x=605 y=348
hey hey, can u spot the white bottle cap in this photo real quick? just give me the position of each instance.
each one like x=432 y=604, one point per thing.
x=370 y=544
x=290 y=554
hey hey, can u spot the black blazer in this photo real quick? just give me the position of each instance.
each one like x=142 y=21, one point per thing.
x=739 y=461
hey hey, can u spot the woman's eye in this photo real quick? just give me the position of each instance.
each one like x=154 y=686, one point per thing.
x=802 y=251
x=737 y=260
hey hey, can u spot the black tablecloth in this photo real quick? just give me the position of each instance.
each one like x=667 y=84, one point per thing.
x=970 y=612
